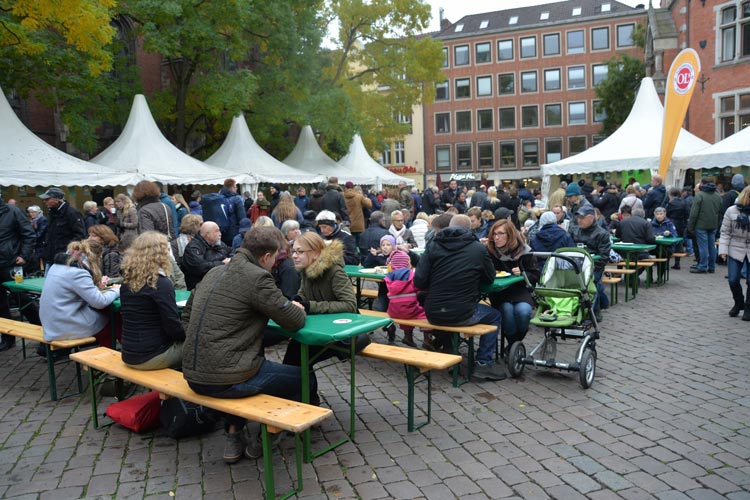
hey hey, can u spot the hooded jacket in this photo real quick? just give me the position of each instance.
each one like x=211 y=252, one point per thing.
x=225 y=318
x=324 y=283
x=451 y=271
x=549 y=238
x=17 y=238
x=704 y=214
x=402 y=295
x=355 y=205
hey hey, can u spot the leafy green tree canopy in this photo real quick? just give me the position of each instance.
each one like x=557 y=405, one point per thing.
x=617 y=92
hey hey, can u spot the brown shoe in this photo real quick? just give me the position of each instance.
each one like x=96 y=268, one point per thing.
x=409 y=339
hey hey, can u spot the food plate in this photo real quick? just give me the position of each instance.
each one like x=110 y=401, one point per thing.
x=502 y=274
x=381 y=269
x=181 y=303
x=368 y=271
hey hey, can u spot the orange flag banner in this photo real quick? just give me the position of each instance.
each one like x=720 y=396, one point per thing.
x=680 y=85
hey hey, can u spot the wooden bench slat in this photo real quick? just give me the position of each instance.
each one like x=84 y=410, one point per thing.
x=36 y=333
x=410 y=356
x=612 y=270
x=469 y=331
x=367 y=293
x=272 y=411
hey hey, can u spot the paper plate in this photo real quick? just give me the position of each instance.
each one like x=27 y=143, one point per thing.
x=502 y=274
x=367 y=271
x=181 y=303
x=341 y=321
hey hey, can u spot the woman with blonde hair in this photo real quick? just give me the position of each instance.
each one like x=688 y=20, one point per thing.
x=419 y=229
x=181 y=206
x=152 y=333
x=285 y=210
x=104 y=242
x=264 y=221
x=127 y=220
x=492 y=202
x=75 y=299
x=734 y=245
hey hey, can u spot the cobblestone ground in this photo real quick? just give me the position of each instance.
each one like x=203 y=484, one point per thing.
x=668 y=417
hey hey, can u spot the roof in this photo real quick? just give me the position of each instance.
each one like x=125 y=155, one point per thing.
x=636 y=145
x=308 y=156
x=240 y=152
x=27 y=160
x=731 y=152
x=359 y=160
x=527 y=17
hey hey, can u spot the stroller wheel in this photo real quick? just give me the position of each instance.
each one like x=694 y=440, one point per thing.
x=587 y=369
x=516 y=356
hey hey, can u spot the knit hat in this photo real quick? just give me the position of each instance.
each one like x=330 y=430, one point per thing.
x=326 y=217
x=245 y=224
x=573 y=190
x=399 y=260
x=738 y=182
x=277 y=187
x=547 y=218
x=349 y=185
x=389 y=238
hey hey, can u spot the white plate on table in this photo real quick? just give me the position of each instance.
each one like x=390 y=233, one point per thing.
x=367 y=271
x=181 y=303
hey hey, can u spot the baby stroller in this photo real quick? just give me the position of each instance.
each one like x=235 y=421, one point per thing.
x=564 y=295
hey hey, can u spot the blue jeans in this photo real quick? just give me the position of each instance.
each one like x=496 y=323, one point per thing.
x=487 y=343
x=515 y=320
x=706 y=248
x=273 y=379
x=601 y=299
x=734 y=275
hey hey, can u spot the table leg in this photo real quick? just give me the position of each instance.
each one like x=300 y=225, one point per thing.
x=305 y=368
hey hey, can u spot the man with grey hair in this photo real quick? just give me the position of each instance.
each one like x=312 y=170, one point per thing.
x=461 y=220
x=478 y=198
x=204 y=252
x=633 y=228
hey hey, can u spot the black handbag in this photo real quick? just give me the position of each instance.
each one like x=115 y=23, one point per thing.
x=182 y=418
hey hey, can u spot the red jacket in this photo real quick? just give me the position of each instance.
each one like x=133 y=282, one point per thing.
x=402 y=295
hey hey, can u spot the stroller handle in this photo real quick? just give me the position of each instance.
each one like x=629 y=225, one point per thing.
x=545 y=255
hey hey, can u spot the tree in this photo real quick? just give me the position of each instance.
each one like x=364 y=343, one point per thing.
x=617 y=92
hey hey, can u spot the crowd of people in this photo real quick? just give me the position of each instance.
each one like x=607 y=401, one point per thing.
x=282 y=257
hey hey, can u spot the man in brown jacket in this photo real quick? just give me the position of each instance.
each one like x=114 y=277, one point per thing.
x=356 y=203
x=224 y=320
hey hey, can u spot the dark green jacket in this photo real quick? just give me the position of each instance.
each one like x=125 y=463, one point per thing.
x=704 y=214
x=325 y=284
x=225 y=318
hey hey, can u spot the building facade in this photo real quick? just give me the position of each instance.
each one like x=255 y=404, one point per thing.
x=519 y=88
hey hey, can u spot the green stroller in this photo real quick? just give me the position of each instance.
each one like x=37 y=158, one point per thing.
x=565 y=295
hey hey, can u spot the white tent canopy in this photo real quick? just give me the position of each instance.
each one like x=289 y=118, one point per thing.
x=733 y=151
x=359 y=160
x=142 y=149
x=636 y=145
x=26 y=160
x=240 y=152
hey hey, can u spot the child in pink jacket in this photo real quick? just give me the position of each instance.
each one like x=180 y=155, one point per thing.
x=402 y=295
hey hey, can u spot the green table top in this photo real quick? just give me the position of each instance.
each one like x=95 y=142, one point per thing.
x=322 y=329
x=31 y=285
x=667 y=241
x=632 y=247
x=499 y=284
x=356 y=272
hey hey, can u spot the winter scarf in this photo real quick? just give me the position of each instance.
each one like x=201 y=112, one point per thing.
x=743 y=218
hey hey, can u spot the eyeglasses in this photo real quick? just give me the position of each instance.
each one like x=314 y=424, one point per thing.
x=297 y=251
x=498 y=234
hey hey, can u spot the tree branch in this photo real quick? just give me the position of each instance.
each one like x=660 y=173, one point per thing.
x=18 y=39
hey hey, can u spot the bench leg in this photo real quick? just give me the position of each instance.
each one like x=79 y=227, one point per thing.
x=51 y=372
x=268 y=478
x=411 y=377
x=456 y=341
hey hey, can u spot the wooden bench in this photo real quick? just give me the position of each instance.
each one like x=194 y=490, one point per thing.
x=413 y=359
x=274 y=414
x=366 y=296
x=457 y=332
x=27 y=331
x=612 y=282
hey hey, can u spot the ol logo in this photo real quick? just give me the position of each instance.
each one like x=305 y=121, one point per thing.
x=683 y=78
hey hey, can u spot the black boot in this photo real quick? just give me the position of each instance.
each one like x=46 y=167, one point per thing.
x=676 y=263
x=735 y=310
x=8 y=341
x=739 y=299
x=391 y=330
x=746 y=314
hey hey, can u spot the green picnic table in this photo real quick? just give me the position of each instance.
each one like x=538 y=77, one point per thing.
x=630 y=249
x=662 y=251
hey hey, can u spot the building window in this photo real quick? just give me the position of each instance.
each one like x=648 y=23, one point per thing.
x=625 y=35
x=528 y=81
x=576 y=113
x=442 y=91
x=482 y=53
x=507 y=118
x=552 y=150
x=529 y=116
x=513 y=20
x=443 y=157
x=508 y=154
x=599 y=113
x=575 y=42
x=596 y=139
x=606 y=7
x=386 y=156
x=442 y=123
x=403 y=118
x=735 y=114
x=484 y=119
x=461 y=55
x=463 y=121
x=445 y=57
x=576 y=145
x=600 y=38
x=528 y=47
x=576 y=77
x=463 y=88
x=484 y=24
x=398 y=149
x=552 y=44
x=484 y=86
x=552 y=79
x=544 y=16
x=459 y=28
x=506 y=84
x=734 y=32
x=505 y=50
x=486 y=155
x=463 y=156
x=576 y=11
x=530 y=153
x=598 y=73
x=552 y=115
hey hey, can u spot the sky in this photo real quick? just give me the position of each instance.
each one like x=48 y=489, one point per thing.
x=456 y=9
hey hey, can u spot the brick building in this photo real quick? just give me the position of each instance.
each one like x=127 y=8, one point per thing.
x=519 y=88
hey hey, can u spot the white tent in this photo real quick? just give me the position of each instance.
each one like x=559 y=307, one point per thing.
x=733 y=151
x=26 y=160
x=241 y=153
x=142 y=149
x=636 y=145
x=307 y=156
x=359 y=160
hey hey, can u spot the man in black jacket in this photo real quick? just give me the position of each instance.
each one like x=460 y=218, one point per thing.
x=370 y=238
x=607 y=201
x=334 y=201
x=635 y=229
x=448 y=196
x=17 y=240
x=451 y=270
x=204 y=252
x=677 y=212
x=65 y=224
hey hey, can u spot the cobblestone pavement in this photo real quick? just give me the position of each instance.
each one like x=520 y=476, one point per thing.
x=668 y=417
